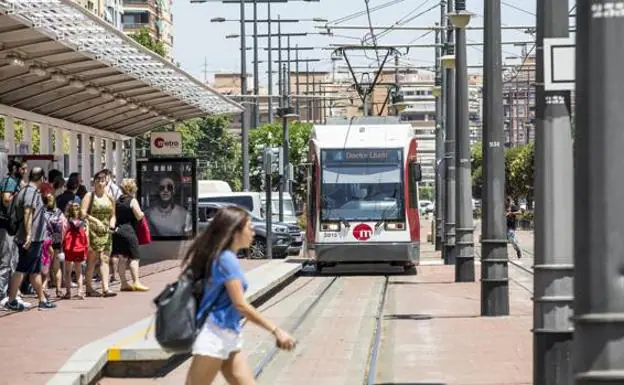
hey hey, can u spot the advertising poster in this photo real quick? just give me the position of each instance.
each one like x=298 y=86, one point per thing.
x=167 y=193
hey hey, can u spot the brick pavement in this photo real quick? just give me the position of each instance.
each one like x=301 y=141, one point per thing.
x=433 y=333
x=256 y=340
x=36 y=344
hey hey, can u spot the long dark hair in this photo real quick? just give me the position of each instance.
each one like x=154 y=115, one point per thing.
x=217 y=237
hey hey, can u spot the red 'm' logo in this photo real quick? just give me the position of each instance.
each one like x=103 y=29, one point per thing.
x=362 y=232
x=159 y=142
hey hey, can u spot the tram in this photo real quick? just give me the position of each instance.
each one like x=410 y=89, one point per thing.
x=362 y=203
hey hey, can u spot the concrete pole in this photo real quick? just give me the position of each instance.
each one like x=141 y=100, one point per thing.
x=554 y=215
x=449 y=153
x=440 y=124
x=244 y=125
x=270 y=64
x=464 y=242
x=494 y=260
x=256 y=103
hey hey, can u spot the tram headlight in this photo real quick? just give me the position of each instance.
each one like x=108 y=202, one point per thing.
x=330 y=226
x=395 y=226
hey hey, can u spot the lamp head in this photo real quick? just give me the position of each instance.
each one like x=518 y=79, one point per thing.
x=448 y=61
x=460 y=19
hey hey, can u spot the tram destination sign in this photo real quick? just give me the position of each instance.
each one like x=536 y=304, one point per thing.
x=358 y=155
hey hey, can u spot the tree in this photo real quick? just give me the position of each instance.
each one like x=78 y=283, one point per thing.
x=271 y=135
x=476 y=162
x=144 y=38
x=522 y=172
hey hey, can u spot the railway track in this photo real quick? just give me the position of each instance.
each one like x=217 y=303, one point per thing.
x=371 y=371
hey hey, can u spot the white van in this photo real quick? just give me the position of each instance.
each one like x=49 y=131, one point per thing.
x=290 y=215
x=250 y=200
x=212 y=186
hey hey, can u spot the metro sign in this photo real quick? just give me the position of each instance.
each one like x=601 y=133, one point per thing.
x=362 y=232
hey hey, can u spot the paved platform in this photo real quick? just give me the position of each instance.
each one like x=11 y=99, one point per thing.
x=36 y=344
x=434 y=334
x=136 y=344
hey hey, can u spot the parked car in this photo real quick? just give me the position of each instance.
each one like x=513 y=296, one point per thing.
x=281 y=236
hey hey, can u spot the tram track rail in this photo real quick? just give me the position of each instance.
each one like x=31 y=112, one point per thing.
x=371 y=373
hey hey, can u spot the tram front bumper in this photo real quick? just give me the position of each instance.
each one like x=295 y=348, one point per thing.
x=372 y=252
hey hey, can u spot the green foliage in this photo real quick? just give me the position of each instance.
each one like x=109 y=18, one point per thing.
x=476 y=161
x=425 y=193
x=522 y=172
x=271 y=135
x=144 y=38
x=519 y=171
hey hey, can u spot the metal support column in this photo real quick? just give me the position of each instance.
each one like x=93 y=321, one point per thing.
x=244 y=125
x=494 y=269
x=280 y=84
x=270 y=64
x=440 y=137
x=554 y=215
x=464 y=242
x=449 y=152
x=256 y=91
x=297 y=77
x=598 y=145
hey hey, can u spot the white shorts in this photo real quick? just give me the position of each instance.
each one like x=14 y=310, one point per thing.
x=217 y=342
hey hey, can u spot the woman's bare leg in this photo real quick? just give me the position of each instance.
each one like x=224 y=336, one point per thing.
x=203 y=370
x=91 y=262
x=237 y=371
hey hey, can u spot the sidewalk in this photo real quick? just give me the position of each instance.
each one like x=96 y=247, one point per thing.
x=36 y=344
x=434 y=334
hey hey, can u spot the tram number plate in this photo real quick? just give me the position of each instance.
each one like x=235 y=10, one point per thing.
x=330 y=235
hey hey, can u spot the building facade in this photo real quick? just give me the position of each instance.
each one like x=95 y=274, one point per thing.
x=153 y=15
x=519 y=103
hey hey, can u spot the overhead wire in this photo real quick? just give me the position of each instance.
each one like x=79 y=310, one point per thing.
x=357 y=14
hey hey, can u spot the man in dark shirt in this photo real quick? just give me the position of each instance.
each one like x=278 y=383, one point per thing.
x=69 y=195
x=512 y=211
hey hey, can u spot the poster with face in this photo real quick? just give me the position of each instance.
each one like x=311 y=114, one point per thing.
x=167 y=193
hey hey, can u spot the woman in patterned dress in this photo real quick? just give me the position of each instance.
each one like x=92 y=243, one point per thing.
x=98 y=208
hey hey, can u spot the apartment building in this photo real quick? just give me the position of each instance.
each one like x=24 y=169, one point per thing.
x=155 y=16
x=519 y=103
x=94 y=6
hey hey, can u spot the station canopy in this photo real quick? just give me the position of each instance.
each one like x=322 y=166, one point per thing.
x=59 y=60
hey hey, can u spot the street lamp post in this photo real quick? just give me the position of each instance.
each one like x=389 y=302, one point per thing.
x=553 y=287
x=440 y=136
x=464 y=242
x=494 y=260
x=448 y=62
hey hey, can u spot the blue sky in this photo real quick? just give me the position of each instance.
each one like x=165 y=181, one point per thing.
x=196 y=39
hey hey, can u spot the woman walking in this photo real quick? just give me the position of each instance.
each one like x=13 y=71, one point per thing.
x=125 y=241
x=212 y=257
x=98 y=208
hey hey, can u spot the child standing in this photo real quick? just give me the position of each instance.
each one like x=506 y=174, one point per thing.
x=52 y=246
x=75 y=247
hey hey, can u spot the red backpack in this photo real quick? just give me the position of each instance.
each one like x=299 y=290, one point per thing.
x=75 y=240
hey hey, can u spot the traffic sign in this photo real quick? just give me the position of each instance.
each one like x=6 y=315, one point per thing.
x=559 y=59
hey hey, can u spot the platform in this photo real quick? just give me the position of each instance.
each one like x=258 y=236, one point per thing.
x=136 y=343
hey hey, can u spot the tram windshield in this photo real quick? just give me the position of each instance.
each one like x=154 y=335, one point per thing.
x=362 y=185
